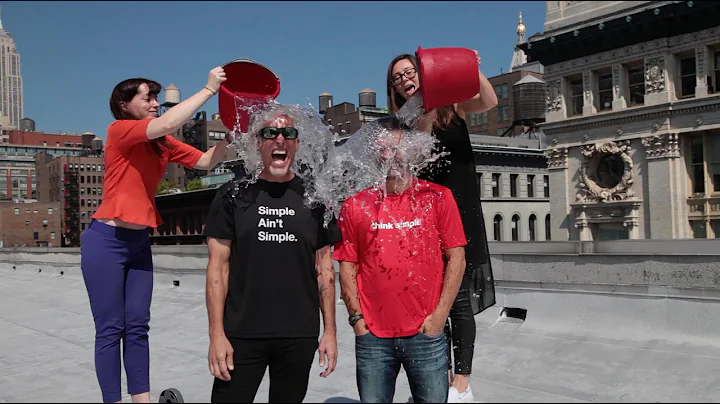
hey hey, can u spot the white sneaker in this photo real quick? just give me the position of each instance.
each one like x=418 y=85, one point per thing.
x=454 y=396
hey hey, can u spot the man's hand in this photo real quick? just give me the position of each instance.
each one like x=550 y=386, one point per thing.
x=361 y=328
x=328 y=348
x=220 y=357
x=433 y=325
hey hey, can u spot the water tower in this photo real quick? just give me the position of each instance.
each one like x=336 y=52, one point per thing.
x=27 y=125
x=529 y=105
x=172 y=98
x=87 y=138
x=97 y=145
x=529 y=101
x=367 y=98
x=326 y=101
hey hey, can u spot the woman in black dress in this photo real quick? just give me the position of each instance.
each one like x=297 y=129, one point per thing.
x=455 y=171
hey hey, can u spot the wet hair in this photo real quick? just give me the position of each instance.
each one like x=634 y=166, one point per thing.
x=125 y=91
x=445 y=114
x=269 y=114
x=391 y=122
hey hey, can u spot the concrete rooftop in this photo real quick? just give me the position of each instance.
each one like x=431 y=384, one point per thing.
x=575 y=346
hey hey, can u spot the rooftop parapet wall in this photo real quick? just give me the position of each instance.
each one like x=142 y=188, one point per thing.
x=670 y=268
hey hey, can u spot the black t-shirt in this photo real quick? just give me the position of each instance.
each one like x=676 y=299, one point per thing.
x=272 y=288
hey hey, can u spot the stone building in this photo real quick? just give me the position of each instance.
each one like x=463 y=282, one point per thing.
x=514 y=187
x=633 y=118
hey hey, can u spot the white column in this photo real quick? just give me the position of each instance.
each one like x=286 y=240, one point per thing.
x=702 y=69
x=620 y=83
x=589 y=79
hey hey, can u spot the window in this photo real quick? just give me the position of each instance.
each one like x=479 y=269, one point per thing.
x=531 y=226
x=546 y=186
x=36 y=235
x=605 y=90
x=636 y=85
x=45 y=223
x=479 y=119
x=49 y=211
x=687 y=77
x=698 y=228
x=497 y=228
x=576 y=96
x=531 y=186
x=52 y=235
x=547 y=227
x=515 y=227
x=714 y=84
x=503 y=113
x=17 y=211
x=480 y=183
x=502 y=91
x=513 y=185
x=701 y=146
x=496 y=185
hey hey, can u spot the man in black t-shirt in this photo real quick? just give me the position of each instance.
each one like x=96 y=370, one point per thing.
x=269 y=271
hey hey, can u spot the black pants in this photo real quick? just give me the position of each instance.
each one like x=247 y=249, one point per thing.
x=460 y=330
x=289 y=360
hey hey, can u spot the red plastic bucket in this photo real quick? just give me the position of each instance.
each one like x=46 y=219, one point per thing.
x=447 y=75
x=253 y=82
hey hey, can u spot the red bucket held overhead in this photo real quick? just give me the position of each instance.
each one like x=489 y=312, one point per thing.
x=447 y=75
x=254 y=83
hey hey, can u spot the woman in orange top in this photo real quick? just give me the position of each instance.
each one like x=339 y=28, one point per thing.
x=116 y=259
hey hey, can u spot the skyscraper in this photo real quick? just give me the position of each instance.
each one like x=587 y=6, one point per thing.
x=11 y=95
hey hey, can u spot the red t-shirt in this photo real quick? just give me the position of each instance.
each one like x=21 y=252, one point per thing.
x=133 y=171
x=397 y=242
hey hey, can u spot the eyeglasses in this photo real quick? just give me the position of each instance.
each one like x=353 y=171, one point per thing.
x=272 y=133
x=409 y=73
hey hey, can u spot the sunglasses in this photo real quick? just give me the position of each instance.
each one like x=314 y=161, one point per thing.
x=272 y=133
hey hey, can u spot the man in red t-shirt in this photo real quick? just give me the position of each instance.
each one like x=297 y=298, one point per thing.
x=402 y=259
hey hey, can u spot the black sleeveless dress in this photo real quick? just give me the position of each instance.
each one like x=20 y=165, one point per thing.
x=456 y=171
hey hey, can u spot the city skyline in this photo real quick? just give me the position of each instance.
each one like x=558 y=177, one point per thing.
x=317 y=47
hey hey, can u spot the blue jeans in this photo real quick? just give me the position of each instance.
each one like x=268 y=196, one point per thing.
x=424 y=357
x=118 y=271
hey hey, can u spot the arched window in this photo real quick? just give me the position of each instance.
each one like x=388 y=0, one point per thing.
x=547 y=227
x=515 y=227
x=497 y=228
x=531 y=227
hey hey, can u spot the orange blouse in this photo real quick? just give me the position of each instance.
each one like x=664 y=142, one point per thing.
x=133 y=171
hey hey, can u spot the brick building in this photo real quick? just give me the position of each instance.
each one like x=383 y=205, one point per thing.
x=76 y=183
x=499 y=119
x=345 y=118
x=30 y=224
x=20 y=137
x=209 y=132
x=17 y=161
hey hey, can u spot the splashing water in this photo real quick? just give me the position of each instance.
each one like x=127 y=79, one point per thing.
x=331 y=173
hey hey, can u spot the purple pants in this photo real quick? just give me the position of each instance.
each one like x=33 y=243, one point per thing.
x=118 y=271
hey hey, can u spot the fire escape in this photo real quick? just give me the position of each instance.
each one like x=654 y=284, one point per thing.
x=71 y=208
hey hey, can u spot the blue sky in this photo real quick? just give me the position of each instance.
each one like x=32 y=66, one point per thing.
x=74 y=53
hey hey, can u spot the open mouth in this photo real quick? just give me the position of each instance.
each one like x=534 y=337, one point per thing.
x=410 y=88
x=279 y=156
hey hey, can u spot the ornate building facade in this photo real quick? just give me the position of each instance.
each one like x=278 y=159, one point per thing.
x=633 y=118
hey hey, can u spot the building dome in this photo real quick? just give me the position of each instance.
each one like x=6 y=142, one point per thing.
x=521 y=26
